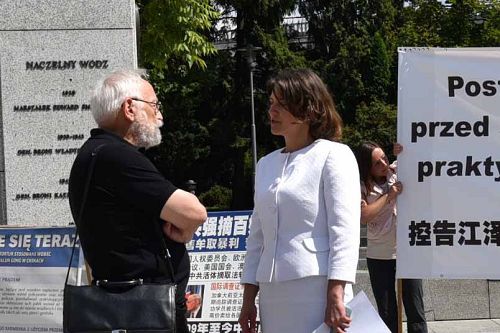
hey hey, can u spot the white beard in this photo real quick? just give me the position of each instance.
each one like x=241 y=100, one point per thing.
x=146 y=135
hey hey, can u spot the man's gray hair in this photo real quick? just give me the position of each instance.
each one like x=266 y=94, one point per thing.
x=111 y=91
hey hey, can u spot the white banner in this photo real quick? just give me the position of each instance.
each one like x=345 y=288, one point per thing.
x=449 y=126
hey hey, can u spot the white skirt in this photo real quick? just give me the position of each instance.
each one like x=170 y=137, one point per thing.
x=296 y=306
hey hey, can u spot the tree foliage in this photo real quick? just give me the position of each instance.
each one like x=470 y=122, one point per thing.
x=217 y=198
x=351 y=44
x=378 y=78
x=375 y=121
x=342 y=33
x=173 y=30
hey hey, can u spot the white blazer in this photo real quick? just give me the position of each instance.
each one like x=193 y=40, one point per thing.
x=306 y=216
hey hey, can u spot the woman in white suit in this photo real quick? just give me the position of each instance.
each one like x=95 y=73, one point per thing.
x=302 y=251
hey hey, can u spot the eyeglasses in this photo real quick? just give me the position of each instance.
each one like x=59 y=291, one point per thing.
x=155 y=105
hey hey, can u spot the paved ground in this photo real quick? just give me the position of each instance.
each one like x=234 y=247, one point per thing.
x=463 y=326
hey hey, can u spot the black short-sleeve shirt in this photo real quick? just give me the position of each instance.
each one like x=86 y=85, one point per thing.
x=127 y=193
x=119 y=230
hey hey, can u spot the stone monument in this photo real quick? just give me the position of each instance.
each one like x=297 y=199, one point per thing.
x=51 y=55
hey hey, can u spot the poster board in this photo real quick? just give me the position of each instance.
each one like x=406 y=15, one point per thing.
x=449 y=125
x=33 y=266
x=217 y=254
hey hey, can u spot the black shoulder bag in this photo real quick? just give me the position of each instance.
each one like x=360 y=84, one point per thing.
x=118 y=306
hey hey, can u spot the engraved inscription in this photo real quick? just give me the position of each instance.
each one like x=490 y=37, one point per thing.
x=23 y=196
x=65 y=107
x=42 y=196
x=50 y=151
x=31 y=108
x=24 y=152
x=65 y=137
x=53 y=108
x=94 y=64
x=45 y=108
x=65 y=151
x=51 y=65
x=39 y=152
x=68 y=93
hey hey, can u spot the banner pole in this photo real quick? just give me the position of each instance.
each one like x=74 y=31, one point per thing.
x=88 y=270
x=400 y=304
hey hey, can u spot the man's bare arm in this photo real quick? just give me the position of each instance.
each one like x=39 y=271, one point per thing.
x=184 y=211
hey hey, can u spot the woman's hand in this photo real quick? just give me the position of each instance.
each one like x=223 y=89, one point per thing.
x=397 y=148
x=248 y=312
x=335 y=314
x=394 y=191
x=338 y=319
x=248 y=318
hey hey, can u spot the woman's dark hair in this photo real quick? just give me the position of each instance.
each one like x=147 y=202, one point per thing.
x=364 y=158
x=306 y=97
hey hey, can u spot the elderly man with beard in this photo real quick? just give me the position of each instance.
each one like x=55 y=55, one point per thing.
x=127 y=195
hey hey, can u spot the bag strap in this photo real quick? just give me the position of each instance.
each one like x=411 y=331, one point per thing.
x=166 y=254
x=82 y=205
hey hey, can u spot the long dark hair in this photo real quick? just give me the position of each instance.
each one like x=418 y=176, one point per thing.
x=306 y=97
x=364 y=158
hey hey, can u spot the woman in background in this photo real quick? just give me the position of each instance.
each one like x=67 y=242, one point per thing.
x=379 y=190
x=302 y=251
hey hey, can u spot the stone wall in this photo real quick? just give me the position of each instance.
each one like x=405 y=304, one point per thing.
x=51 y=55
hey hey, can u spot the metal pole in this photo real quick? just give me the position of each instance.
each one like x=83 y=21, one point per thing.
x=399 y=283
x=254 y=134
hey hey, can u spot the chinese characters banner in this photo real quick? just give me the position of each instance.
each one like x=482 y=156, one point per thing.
x=214 y=294
x=449 y=126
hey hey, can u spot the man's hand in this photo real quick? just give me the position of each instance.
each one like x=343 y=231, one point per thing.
x=176 y=234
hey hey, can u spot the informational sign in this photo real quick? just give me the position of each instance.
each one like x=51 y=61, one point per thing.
x=33 y=266
x=214 y=294
x=449 y=126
